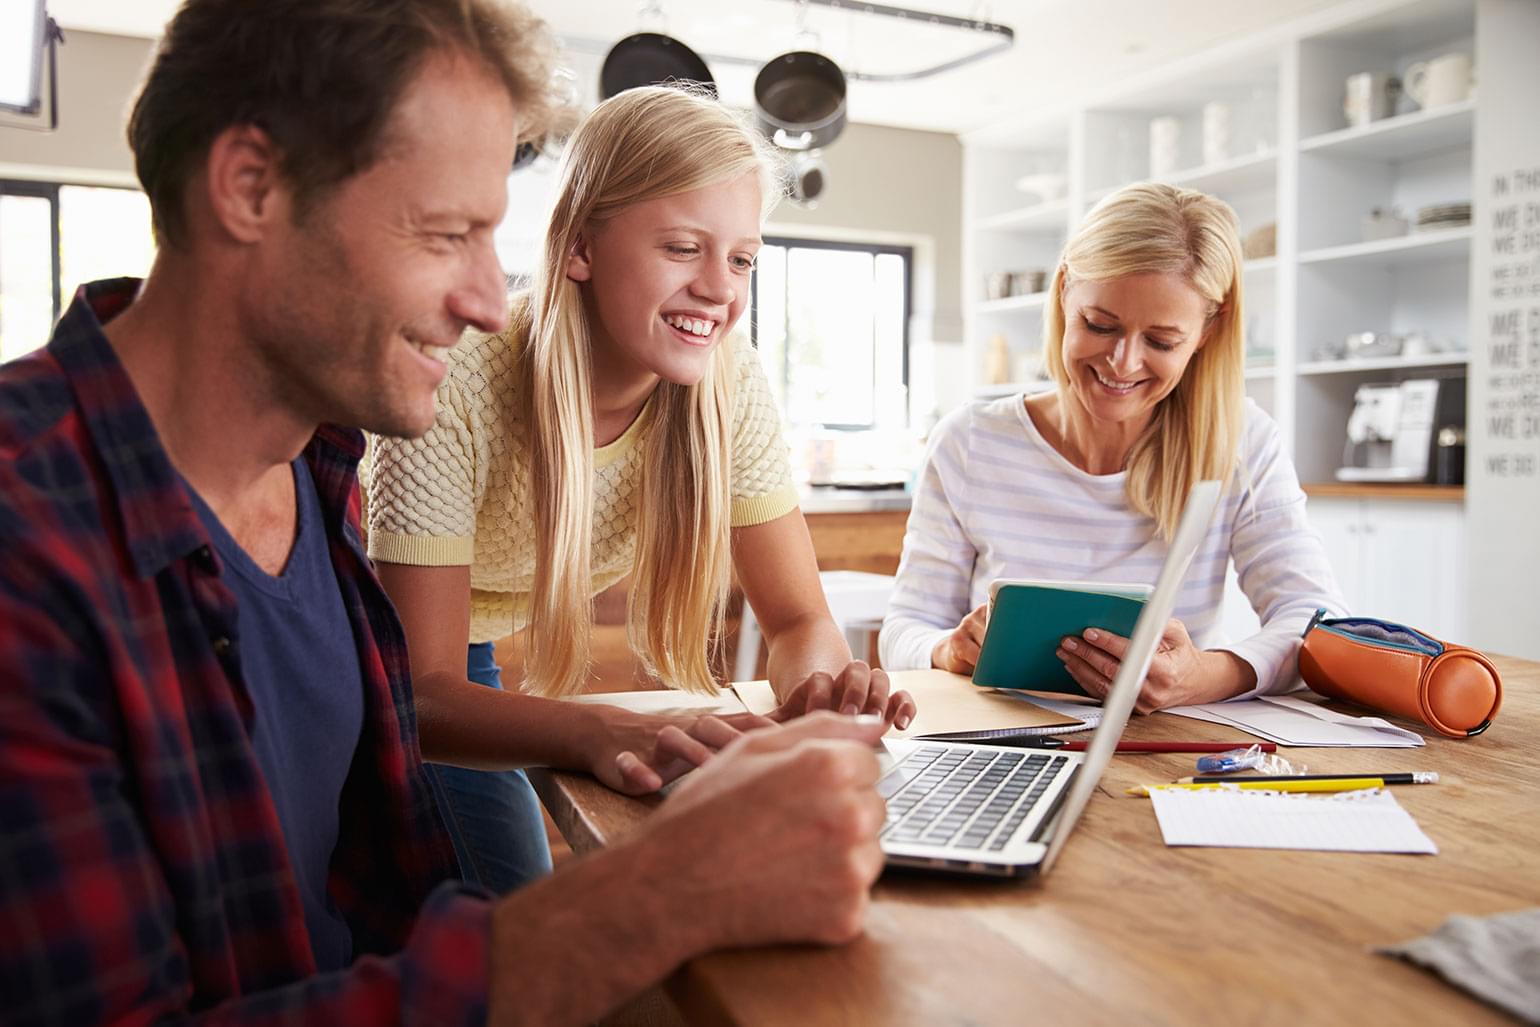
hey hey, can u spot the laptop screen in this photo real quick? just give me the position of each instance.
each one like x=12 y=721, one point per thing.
x=1119 y=704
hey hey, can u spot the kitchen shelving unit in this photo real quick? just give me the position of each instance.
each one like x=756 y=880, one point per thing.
x=1294 y=163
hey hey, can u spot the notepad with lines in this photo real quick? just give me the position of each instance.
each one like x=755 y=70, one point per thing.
x=1363 y=821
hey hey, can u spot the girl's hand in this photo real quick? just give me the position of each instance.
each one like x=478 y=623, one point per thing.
x=856 y=689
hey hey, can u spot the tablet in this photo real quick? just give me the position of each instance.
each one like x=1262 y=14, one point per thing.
x=1027 y=618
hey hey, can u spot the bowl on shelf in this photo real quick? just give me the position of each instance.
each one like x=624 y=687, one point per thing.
x=1026 y=283
x=1371 y=345
x=1383 y=223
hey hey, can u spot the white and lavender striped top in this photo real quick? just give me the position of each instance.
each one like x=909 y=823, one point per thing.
x=995 y=500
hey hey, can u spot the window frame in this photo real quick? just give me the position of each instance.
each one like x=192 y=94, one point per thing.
x=875 y=249
x=44 y=191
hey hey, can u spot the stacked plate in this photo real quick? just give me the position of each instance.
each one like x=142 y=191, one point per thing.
x=1443 y=215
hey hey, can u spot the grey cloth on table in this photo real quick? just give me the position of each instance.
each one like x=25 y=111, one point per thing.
x=1496 y=958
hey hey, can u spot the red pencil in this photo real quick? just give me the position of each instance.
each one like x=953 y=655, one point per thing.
x=1129 y=746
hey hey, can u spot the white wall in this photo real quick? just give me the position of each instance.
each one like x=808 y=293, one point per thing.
x=1503 y=426
x=98 y=76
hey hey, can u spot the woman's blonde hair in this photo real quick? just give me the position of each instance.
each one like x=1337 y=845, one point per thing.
x=639 y=145
x=1195 y=432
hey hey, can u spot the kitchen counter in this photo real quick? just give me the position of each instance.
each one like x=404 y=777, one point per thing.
x=828 y=500
x=1383 y=490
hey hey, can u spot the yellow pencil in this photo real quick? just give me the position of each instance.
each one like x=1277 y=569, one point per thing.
x=1341 y=784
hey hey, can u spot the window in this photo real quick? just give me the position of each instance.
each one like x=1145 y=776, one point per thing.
x=831 y=321
x=54 y=238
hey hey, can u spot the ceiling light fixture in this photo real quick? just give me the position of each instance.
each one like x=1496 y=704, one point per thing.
x=1000 y=39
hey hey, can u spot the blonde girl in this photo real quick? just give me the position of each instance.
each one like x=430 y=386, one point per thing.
x=616 y=428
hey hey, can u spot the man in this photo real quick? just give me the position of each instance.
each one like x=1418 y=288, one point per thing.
x=210 y=788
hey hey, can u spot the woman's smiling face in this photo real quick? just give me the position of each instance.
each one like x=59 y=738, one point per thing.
x=1128 y=341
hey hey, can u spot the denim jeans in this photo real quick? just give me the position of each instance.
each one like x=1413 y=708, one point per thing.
x=493 y=816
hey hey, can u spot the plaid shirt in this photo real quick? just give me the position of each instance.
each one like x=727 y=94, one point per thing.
x=143 y=872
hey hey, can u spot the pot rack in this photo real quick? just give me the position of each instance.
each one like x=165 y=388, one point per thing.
x=1002 y=37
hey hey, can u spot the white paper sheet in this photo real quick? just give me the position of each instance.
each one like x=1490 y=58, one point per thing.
x=1291 y=721
x=1364 y=821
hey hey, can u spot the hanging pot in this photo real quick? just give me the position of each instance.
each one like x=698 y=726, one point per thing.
x=652 y=59
x=799 y=100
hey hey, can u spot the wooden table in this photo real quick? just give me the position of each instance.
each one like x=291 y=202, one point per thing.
x=1126 y=930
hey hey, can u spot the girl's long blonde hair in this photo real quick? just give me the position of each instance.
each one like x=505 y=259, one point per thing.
x=1195 y=432
x=639 y=145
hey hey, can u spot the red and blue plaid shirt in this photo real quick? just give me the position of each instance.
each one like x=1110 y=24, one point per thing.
x=143 y=872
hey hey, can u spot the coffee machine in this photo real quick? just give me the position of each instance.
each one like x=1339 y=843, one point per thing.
x=1396 y=430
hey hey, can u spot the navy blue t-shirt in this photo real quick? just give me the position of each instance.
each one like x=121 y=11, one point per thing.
x=301 y=667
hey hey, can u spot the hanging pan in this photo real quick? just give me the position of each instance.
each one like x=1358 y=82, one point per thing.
x=652 y=59
x=799 y=100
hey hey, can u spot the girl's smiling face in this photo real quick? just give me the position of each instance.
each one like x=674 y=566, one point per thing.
x=665 y=279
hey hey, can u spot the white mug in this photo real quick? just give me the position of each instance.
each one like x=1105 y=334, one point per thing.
x=1165 y=145
x=1216 y=132
x=1369 y=96
x=1444 y=79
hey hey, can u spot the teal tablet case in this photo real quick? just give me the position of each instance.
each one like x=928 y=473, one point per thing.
x=1026 y=623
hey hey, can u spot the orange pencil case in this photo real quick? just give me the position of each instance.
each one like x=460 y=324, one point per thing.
x=1453 y=689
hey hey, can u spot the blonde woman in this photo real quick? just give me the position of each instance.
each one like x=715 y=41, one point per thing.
x=615 y=428
x=1086 y=481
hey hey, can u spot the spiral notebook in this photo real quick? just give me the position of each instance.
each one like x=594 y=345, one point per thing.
x=1085 y=716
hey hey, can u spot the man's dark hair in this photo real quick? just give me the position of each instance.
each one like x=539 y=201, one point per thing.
x=320 y=77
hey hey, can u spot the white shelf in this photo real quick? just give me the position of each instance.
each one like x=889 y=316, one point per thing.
x=1030 y=301
x=1415 y=248
x=1401 y=138
x=1301 y=172
x=1247 y=174
x=1043 y=217
x=1320 y=367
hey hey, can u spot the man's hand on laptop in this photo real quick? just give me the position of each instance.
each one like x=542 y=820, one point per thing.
x=857 y=689
x=643 y=752
x=776 y=841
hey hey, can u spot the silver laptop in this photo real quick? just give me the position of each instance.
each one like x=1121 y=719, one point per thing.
x=994 y=810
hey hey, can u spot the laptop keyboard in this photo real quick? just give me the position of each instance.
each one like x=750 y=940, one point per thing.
x=964 y=797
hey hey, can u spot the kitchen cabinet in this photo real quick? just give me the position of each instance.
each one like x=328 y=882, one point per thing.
x=1398 y=560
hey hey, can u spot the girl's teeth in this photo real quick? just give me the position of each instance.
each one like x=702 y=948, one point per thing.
x=691 y=325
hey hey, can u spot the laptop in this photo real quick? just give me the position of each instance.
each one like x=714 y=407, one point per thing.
x=972 y=808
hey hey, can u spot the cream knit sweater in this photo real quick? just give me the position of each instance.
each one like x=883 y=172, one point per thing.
x=459 y=495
